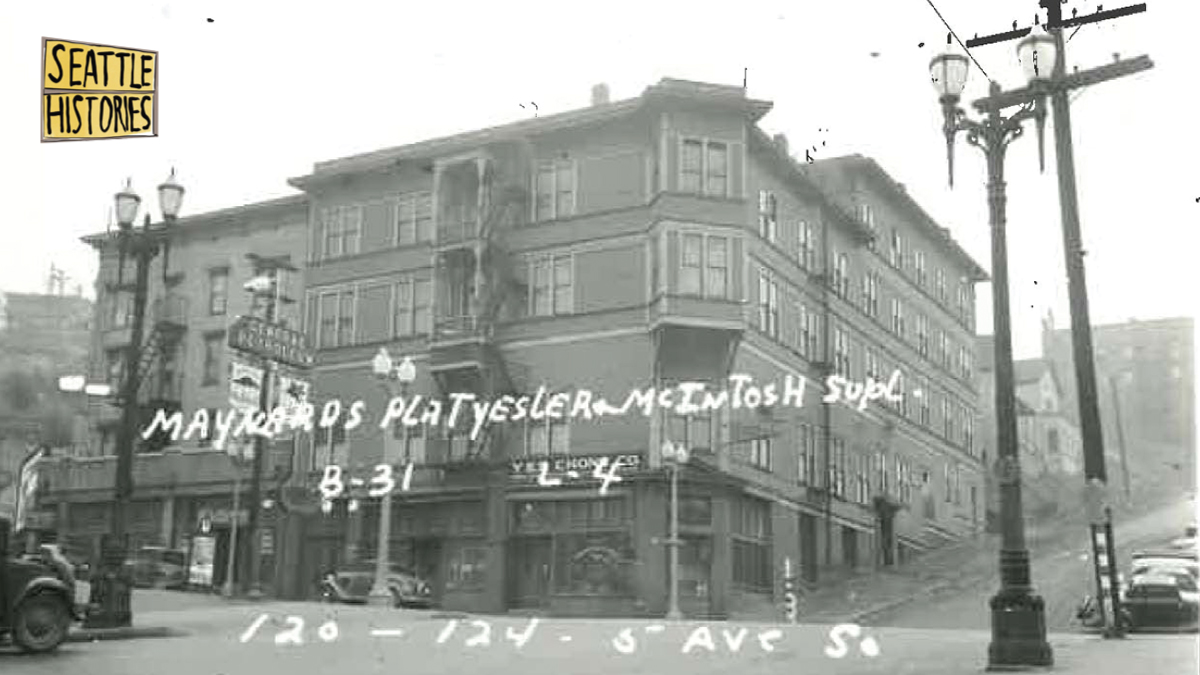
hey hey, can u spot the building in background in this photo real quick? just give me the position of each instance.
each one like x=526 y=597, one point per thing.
x=630 y=244
x=1151 y=366
x=42 y=336
x=185 y=367
x=1051 y=447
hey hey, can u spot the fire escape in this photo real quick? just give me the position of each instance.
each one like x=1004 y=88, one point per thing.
x=478 y=200
x=158 y=371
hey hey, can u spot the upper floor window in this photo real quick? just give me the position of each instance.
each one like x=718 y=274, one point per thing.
x=414 y=218
x=896 y=254
x=837 y=467
x=547 y=436
x=698 y=432
x=870 y=298
x=121 y=309
x=940 y=285
x=218 y=290
x=808 y=332
x=866 y=215
x=768 y=304
x=553 y=285
x=871 y=366
x=337 y=319
x=923 y=401
x=214 y=347
x=704 y=265
x=968 y=430
x=841 y=275
x=841 y=352
x=902 y=394
x=898 y=325
x=555 y=190
x=760 y=453
x=806 y=248
x=947 y=418
x=806 y=468
x=704 y=167
x=923 y=335
x=768 y=216
x=341 y=228
x=919 y=268
x=414 y=307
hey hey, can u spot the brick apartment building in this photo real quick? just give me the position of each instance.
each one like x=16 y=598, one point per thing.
x=185 y=367
x=630 y=244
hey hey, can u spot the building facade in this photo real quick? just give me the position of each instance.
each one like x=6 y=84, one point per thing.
x=185 y=367
x=1049 y=440
x=633 y=244
x=1145 y=375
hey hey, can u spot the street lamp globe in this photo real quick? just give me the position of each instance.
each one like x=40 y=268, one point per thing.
x=381 y=365
x=1038 y=54
x=406 y=372
x=949 y=74
x=127 y=204
x=170 y=196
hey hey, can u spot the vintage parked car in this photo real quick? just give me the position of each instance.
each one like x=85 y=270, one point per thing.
x=1162 y=598
x=351 y=585
x=37 y=598
x=158 y=567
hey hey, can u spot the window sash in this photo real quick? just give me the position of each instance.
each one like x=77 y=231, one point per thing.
x=218 y=292
x=716 y=177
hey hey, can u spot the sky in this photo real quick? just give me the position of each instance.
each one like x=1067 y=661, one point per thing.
x=267 y=88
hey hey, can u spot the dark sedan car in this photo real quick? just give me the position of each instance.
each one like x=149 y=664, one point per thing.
x=1162 y=598
x=352 y=584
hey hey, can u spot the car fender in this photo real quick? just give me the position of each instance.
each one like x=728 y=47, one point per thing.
x=49 y=585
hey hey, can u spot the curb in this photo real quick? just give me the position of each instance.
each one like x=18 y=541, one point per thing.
x=127 y=633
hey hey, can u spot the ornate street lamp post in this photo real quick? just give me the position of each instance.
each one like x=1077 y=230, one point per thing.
x=675 y=456
x=111 y=589
x=1018 y=614
x=404 y=374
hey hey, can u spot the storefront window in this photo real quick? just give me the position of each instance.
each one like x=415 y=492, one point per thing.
x=467 y=567
x=752 y=544
x=594 y=564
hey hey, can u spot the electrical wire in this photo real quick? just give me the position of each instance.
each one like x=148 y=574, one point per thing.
x=960 y=42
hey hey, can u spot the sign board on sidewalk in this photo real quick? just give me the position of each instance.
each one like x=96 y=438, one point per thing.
x=270 y=341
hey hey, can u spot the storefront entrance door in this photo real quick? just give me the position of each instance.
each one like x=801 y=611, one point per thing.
x=530 y=561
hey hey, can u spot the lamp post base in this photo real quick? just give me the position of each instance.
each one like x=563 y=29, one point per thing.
x=1018 y=632
x=111 y=598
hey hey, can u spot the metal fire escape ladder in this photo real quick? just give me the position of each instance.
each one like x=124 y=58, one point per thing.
x=495 y=262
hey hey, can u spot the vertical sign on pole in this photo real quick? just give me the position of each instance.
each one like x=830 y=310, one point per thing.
x=791 y=602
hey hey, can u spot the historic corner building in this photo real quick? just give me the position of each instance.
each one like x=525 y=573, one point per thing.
x=631 y=244
x=183 y=491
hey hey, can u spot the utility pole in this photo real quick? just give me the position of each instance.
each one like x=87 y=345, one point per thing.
x=269 y=268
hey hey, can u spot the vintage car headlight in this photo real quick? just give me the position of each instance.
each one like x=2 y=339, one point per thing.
x=1190 y=597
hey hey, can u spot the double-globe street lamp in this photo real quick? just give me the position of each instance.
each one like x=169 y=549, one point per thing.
x=674 y=456
x=1018 y=614
x=391 y=375
x=111 y=592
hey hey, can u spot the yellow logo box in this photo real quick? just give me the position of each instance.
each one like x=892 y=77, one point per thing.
x=92 y=91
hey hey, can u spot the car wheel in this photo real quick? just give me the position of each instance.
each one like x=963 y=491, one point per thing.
x=42 y=623
x=397 y=601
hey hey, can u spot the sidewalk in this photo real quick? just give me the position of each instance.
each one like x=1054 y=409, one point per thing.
x=857 y=598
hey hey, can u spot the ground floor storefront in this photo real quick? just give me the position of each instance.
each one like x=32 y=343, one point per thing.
x=571 y=551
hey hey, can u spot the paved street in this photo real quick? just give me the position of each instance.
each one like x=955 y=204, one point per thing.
x=1060 y=575
x=215 y=647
